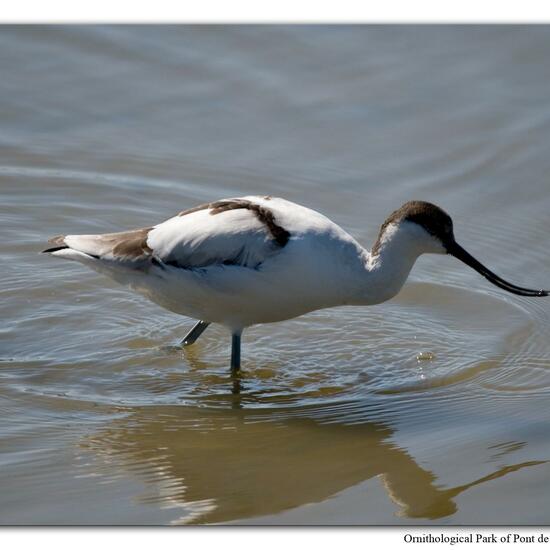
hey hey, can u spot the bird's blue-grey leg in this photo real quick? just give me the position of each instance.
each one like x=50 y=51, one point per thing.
x=235 y=351
x=194 y=333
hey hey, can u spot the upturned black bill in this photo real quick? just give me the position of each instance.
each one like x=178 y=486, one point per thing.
x=458 y=252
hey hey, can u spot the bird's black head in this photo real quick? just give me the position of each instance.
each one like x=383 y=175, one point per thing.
x=428 y=216
x=435 y=222
x=438 y=237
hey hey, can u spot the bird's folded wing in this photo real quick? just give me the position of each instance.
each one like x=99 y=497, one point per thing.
x=232 y=232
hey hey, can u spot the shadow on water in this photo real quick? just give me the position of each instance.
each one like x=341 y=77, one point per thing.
x=224 y=465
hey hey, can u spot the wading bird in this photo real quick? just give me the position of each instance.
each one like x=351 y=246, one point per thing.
x=249 y=260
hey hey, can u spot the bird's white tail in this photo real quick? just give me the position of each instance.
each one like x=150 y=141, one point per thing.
x=126 y=247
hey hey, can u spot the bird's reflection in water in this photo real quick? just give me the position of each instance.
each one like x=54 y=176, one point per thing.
x=237 y=384
x=239 y=463
x=232 y=378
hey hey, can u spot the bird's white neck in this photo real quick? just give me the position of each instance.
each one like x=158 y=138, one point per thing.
x=390 y=262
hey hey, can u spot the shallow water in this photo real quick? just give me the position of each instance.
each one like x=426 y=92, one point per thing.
x=431 y=408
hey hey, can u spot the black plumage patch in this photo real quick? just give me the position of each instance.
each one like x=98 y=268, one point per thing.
x=429 y=216
x=264 y=215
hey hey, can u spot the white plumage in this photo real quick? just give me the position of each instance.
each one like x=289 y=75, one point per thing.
x=250 y=260
x=228 y=269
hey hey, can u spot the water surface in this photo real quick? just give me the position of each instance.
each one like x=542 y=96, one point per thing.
x=431 y=408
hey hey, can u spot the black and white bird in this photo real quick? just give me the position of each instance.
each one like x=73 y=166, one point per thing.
x=249 y=260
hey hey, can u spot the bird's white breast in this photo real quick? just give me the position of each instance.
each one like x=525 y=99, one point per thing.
x=316 y=268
